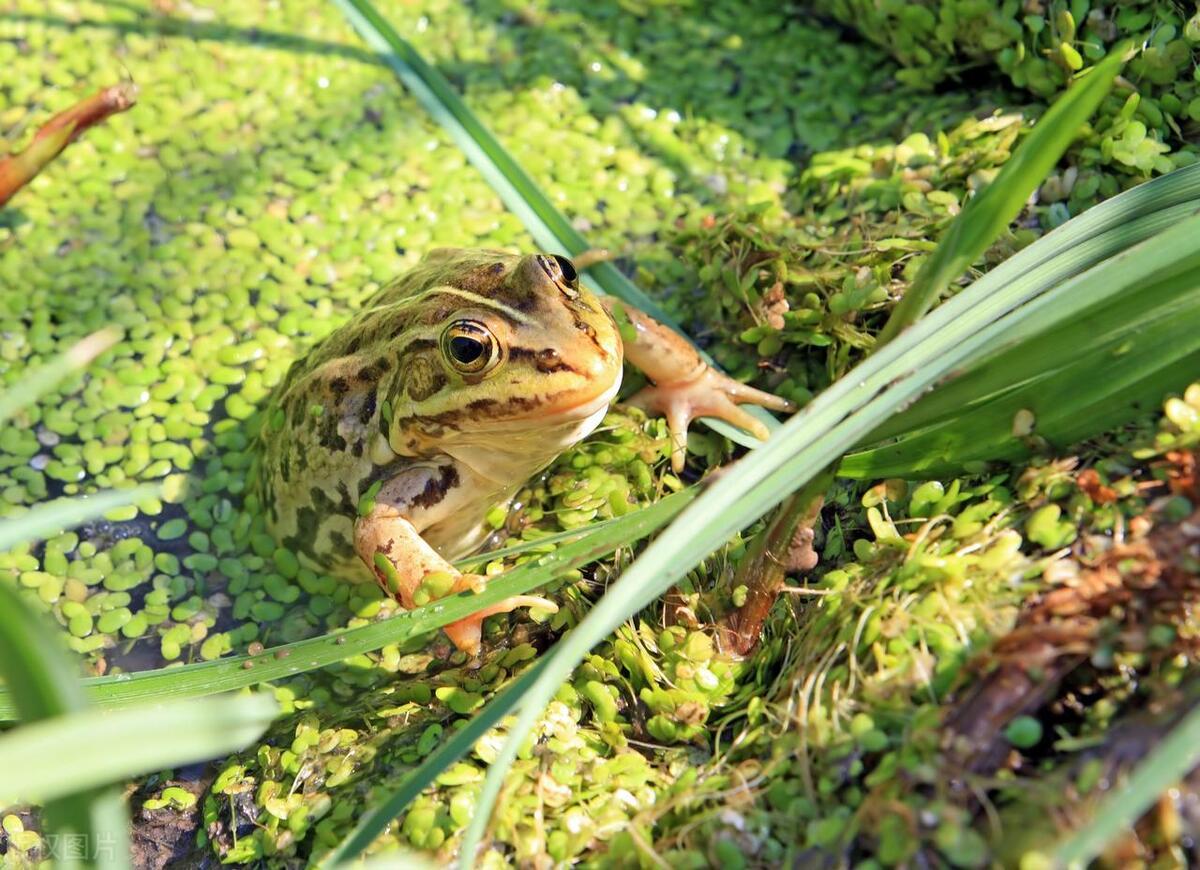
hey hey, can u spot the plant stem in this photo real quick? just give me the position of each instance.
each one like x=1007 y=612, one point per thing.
x=19 y=169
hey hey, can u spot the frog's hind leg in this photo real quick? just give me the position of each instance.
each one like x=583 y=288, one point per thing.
x=467 y=633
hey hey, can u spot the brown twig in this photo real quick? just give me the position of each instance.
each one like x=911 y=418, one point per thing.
x=784 y=547
x=19 y=169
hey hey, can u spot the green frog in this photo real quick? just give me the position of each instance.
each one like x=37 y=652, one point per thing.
x=385 y=446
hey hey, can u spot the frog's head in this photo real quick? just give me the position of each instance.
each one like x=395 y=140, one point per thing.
x=504 y=346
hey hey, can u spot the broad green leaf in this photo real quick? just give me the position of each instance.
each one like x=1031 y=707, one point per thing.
x=989 y=212
x=87 y=749
x=207 y=678
x=43 y=685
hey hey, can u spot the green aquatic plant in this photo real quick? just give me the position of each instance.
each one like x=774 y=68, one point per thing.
x=748 y=490
x=256 y=233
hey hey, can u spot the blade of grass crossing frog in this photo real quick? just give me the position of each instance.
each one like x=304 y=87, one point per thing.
x=376 y=821
x=136 y=741
x=1168 y=762
x=43 y=685
x=986 y=215
x=548 y=226
x=207 y=678
x=952 y=335
x=52 y=517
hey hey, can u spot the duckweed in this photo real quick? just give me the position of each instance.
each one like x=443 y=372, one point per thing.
x=275 y=175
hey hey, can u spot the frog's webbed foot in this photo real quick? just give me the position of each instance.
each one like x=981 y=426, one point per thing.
x=467 y=633
x=707 y=394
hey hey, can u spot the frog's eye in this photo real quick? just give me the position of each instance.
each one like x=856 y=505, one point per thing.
x=469 y=347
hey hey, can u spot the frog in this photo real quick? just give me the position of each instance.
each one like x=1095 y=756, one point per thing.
x=385 y=446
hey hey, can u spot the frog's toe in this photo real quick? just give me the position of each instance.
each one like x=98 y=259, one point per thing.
x=746 y=395
x=731 y=413
x=467 y=633
x=712 y=394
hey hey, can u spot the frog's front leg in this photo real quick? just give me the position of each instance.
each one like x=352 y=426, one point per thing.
x=388 y=540
x=684 y=386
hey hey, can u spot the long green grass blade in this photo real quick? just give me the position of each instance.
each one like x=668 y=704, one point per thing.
x=39 y=678
x=43 y=685
x=971 y=417
x=1169 y=762
x=1096 y=372
x=208 y=678
x=52 y=517
x=986 y=215
x=376 y=820
x=548 y=226
x=85 y=749
x=39 y=381
x=947 y=340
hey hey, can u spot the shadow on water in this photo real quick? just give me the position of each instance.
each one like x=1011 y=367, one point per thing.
x=772 y=58
x=147 y=23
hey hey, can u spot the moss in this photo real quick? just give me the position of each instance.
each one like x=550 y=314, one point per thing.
x=1149 y=122
x=775 y=185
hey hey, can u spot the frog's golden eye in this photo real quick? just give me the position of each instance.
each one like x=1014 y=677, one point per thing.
x=470 y=347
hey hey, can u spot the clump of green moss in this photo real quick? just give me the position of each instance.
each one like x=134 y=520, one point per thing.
x=274 y=174
x=1147 y=125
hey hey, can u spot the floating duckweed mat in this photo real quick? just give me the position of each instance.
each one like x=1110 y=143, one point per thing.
x=274 y=173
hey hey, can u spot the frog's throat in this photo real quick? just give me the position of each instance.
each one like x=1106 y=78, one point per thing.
x=510 y=452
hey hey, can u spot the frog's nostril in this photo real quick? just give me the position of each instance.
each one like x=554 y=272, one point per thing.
x=567 y=268
x=558 y=269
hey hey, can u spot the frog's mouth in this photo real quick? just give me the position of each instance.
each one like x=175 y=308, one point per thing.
x=514 y=449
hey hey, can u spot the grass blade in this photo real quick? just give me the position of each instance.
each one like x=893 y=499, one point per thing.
x=1168 y=763
x=38 y=676
x=41 y=380
x=548 y=226
x=235 y=672
x=375 y=822
x=43 y=684
x=136 y=741
x=986 y=215
x=52 y=517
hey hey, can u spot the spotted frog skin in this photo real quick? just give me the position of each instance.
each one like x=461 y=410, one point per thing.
x=385 y=446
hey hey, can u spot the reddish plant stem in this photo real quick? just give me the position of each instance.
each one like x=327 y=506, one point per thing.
x=19 y=169
x=784 y=547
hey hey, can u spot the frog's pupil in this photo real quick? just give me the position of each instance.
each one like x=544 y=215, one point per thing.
x=465 y=350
